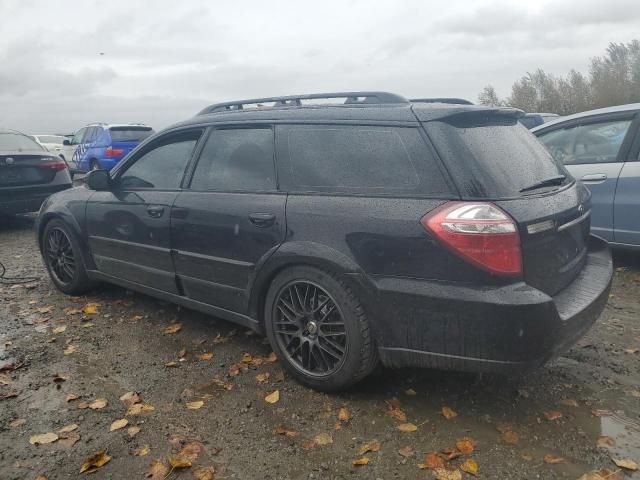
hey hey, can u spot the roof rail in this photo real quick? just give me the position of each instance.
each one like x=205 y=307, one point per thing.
x=452 y=100
x=351 y=98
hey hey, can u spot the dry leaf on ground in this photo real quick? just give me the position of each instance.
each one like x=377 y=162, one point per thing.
x=70 y=349
x=72 y=396
x=95 y=461
x=205 y=356
x=406 y=452
x=179 y=462
x=59 y=329
x=118 y=424
x=282 y=430
x=372 y=446
x=271 y=358
x=68 y=440
x=466 y=445
x=394 y=410
x=195 y=405
x=157 y=470
x=361 y=461
x=603 y=474
x=344 y=415
x=90 y=309
x=133 y=431
x=141 y=451
x=204 y=473
x=130 y=398
x=98 y=403
x=448 y=413
x=469 y=466
x=191 y=451
x=68 y=428
x=445 y=474
x=568 y=402
x=511 y=437
x=625 y=463
x=605 y=441
x=18 y=422
x=43 y=438
x=273 y=397
x=407 y=427
x=262 y=377
x=553 y=415
x=323 y=439
x=173 y=328
x=432 y=460
x=139 y=408
x=552 y=459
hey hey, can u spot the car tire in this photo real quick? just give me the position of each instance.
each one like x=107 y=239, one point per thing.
x=336 y=339
x=62 y=257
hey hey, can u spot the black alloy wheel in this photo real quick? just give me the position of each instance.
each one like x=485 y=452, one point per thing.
x=59 y=256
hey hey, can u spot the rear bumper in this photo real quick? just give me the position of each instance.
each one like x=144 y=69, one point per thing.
x=27 y=199
x=493 y=329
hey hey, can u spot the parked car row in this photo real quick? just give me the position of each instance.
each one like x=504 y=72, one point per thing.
x=373 y=229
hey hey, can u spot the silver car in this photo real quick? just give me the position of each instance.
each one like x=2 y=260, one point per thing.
x=602 y=148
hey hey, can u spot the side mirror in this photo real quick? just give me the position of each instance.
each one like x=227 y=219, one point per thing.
x=98 y=180
x=66 y=141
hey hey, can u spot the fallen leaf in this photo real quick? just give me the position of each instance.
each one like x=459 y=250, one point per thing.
x=406 y=452
x=448 y=413
x=191 y=451
x=273 y=397
x=71 y=397
x=68 y=428
x=43 y=438
x=344 y=415
x=59 y=329
x=625 y=463
x=444 y=474
x=141 y=451
x=431 y=460
x=205 y=356
x=171 y=364
x=372 y=446
x=407 y=427
x=135 y=318
x=568 y=402
x=450 y=453
x=394 y=410
x=95 y=461
x=605 y=441
x=553 y=415
x=204 y=473
x=603 y=474
x=631 y=351
x=263 y=377
x=361 y=461
x=283 y=430
x=157 y=470
x=82 y=405
x=271 y=358
x=173 y=328
x=90 y=309
x=133 y=431
x=98 y=403
x=323 y=439
x=469 y=466
x=246 y=358
x=466 y=445
x=43 y=310
x=69 y=350
x=130 y=398
x=179 y=462
x=4 y=379
x=552 y=459
x=139 y=408
x=511 y=437
x=68 y=440
x=118 y=424
x=195 y=405
x=309 y=444
x=18 y=422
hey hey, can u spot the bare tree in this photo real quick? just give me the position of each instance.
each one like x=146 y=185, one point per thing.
x=489 y=96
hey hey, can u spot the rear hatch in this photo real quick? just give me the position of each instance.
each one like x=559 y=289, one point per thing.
x=126 y=138
x=491 y=157
x=24 y=169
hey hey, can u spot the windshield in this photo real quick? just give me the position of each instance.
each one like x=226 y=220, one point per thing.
x=14 y=142
x=130 y=134
x=495 y=158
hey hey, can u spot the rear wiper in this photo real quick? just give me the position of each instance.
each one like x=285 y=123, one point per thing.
x=548 y=182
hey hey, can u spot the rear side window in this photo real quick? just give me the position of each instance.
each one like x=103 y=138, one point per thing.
x=130 y=134
x=359 y=159
x=236 y=159
x=492 y=157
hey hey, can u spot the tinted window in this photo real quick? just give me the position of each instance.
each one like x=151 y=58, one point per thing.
x=236 y=160
x=78 y=137
x=361 y=159
x=15 y=142
x=162 y=166
x=92 y=135
x=130 y=134
x=492 y=157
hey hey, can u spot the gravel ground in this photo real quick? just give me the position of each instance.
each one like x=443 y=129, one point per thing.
x=51 y=351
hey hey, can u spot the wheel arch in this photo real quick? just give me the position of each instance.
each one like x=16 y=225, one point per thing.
x=70 y=221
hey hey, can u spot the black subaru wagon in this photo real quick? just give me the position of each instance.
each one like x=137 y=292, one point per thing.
x=351 y=228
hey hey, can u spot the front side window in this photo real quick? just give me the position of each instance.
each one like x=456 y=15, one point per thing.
x=236 y=159
x=78 y=137
x=162 y=165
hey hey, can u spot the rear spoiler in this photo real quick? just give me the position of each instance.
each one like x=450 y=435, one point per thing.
x=431 y=112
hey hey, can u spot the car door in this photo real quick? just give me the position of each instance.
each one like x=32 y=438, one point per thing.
x=71 y=150
x=230 y=219
x=593 y=150
x=83 y=152
x=129 y=225
x=627 y=201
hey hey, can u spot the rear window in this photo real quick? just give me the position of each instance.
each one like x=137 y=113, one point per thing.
x=361 y=159
x=130 y=134
x=13 y=142
x=492 y=157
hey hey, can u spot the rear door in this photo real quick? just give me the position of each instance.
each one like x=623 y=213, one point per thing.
x=594 y=150
x=129 y=226
x=230 y=219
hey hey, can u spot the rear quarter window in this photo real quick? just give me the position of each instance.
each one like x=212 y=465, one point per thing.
x=357 y=159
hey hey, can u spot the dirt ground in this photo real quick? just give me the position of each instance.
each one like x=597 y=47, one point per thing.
x=51 y=351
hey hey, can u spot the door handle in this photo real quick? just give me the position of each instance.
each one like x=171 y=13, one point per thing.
x=155 y=211
x=594 y=177
x=262 y=219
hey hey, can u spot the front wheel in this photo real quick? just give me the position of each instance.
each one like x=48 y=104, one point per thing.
x=318 y=329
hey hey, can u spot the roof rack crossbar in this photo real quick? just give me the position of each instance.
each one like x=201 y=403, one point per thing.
x=352 y=98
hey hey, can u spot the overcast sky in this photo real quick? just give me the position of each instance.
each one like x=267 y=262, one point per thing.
x=67 y=63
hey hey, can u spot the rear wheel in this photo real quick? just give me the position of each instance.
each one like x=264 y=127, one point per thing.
x=318 y=329
x=62 y=257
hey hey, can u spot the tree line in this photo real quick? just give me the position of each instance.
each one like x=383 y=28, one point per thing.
x=613 y=79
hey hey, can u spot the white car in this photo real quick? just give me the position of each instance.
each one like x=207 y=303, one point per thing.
x=51 y=143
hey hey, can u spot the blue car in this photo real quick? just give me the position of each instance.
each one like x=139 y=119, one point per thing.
x=102 y=146
x=602 y=148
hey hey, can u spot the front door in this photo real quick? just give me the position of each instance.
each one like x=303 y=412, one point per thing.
x=129 y=226
x=230 y=219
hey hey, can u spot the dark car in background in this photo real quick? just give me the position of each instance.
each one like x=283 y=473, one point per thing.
x=28 y=173
x=368 y=228
x=531 y=120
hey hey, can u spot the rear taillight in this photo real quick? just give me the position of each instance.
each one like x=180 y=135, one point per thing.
x=113 y=152
x=480 y=233
x=50 y=163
